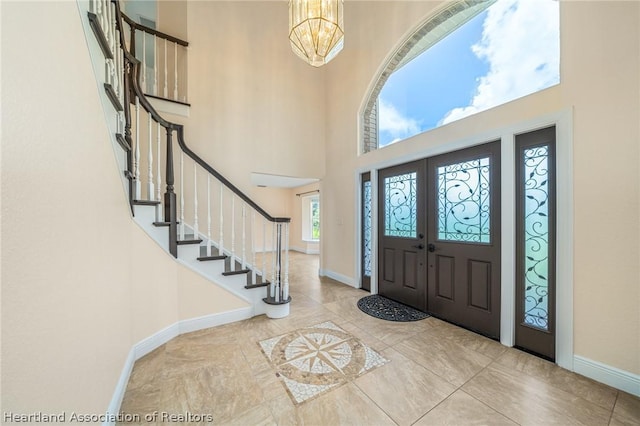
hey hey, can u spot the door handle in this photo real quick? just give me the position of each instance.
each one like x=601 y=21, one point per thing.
x=431 y=248
x=419 y=246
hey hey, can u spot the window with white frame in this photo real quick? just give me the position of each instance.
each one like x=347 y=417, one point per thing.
x=311 y=218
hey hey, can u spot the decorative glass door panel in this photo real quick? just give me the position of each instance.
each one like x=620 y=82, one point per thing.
x=536 y=237
x=400 y=211
x=464 y=201
x=367 y=228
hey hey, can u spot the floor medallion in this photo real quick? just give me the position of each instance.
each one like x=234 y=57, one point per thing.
x=315 y=359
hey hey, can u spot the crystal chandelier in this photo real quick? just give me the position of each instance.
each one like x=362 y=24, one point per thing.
x=316 y=29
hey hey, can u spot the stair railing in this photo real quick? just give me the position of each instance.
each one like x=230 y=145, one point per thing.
x=251 y=240
x=162 y=58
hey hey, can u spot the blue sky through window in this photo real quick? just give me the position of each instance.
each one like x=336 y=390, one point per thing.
x=508 y=51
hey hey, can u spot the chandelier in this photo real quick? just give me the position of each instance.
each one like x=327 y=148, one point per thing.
x=316 y=29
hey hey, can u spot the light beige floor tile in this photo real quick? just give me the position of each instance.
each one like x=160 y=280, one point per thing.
x=529 y=401
x=387 y=331
x=256 y=416
x=283 y=411
x=462 y=409
x=346 y=405
x=466 y=338
x=363 y=336
x=404 y=389
x=550 y=373
x=627 y=408
x=347 y=308
x=271 y=385
x=444 y=357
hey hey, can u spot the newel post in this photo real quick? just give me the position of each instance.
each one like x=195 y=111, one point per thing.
x=170 y=210
x=278 y=297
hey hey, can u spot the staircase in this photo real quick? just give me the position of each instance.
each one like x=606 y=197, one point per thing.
x=182 y=202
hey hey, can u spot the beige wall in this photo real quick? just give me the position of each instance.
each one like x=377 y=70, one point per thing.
x=599 y=66
x=255 y=106
x=81 y=283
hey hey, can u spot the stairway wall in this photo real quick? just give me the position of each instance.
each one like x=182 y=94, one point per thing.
x=81 y=282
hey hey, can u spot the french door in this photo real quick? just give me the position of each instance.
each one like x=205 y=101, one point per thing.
x=401 y=229
x=464 y=238
x=439 y=236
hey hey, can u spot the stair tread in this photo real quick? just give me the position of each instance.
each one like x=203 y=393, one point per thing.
x=186 y=242
x=205 y=258
x=146 y=202
x=239 y=272
x=250 y=286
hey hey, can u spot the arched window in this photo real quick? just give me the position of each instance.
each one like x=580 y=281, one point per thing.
x=468 y=57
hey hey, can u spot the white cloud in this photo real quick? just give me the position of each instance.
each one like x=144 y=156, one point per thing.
x=393 y=122
x=520 y=43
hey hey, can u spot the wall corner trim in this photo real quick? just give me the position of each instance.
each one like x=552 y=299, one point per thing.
x=158 y=339
x=339 y=277
x=612 y=376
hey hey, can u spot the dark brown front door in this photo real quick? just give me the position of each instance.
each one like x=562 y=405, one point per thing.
x=401 y=223
x=463 y=214
x=535 y=242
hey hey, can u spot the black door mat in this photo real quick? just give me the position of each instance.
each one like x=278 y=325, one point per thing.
x=390 y=310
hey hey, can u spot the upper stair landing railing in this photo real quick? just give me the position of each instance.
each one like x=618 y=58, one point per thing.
x=235 y=228
x=163 y=61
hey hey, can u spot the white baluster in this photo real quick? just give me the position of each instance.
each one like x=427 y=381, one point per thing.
x=166 y=74
x=264 y=250
x=233 y=232
x=175 y=71
x=195 y=200
x=254 y=265
x=112 y=27
x=158 y=176
x=136 y=156
x=244 y=237
x=103 y=17
x=118 y=55
x=221 y=242
x=181 y=195
x=285 y=287
x=144 y=62
x=208 y=214
x=155 y=65
x=150 y=186
x=273 y=261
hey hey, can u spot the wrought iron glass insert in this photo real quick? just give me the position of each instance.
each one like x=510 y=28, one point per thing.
x=536 y=237
x=463 y=202
x=400 y=206
x=367 y=228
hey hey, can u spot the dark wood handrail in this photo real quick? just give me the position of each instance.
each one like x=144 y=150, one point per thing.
x=179 y=128
x=156 y=33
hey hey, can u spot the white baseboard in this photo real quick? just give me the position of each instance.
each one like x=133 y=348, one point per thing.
x=305 y=251
x=158 y=339
x=339 y=277
x=608 y=375
x=118 y=394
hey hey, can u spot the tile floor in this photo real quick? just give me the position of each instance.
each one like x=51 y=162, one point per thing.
x=436 y=374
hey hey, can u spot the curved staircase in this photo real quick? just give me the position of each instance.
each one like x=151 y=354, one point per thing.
x=240 y=247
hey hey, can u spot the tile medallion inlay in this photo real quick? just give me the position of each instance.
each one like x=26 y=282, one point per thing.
x=315 y=359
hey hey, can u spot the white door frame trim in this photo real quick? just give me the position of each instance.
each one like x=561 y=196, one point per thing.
x=563 y=120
